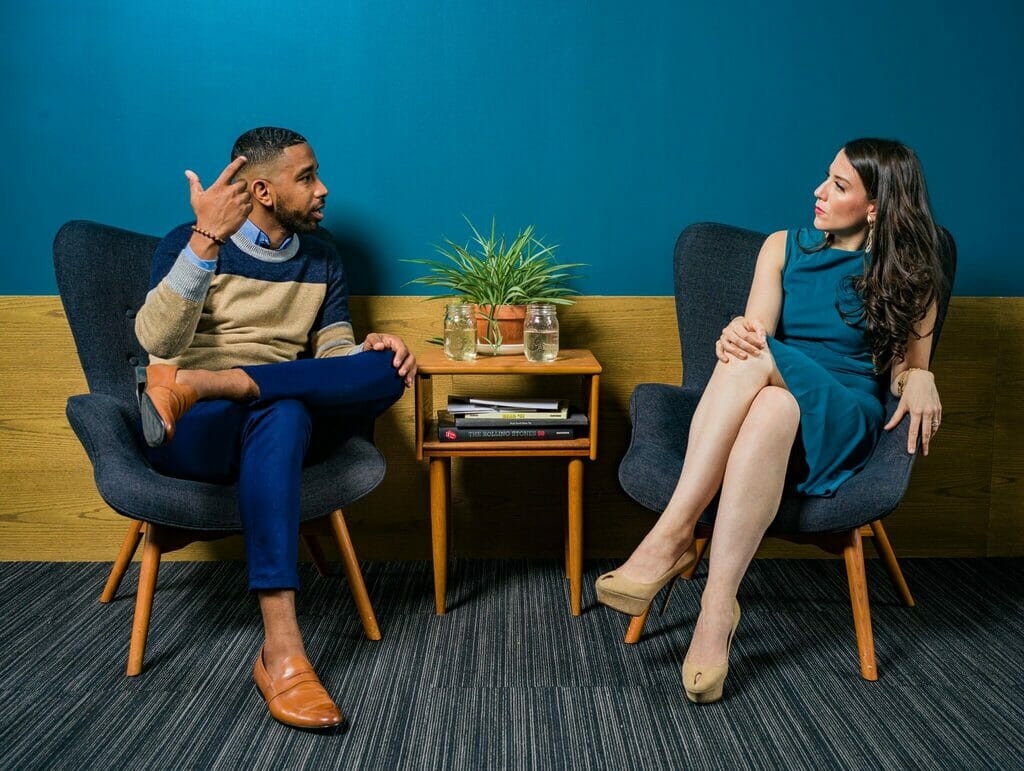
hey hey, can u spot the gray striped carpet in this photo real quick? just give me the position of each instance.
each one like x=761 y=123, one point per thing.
x=508 y=679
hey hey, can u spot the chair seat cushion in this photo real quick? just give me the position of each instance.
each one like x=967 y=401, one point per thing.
x=651 y=467
x=129 y=485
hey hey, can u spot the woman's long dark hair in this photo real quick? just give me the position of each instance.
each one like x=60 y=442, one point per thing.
x=903 y=273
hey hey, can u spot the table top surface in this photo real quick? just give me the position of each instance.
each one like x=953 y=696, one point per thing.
x=569 y=362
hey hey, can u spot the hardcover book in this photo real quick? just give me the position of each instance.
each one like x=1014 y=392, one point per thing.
x=449 y=432
x=460 y=403
x=573 y=418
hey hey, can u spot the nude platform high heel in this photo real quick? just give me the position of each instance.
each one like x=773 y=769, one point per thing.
x=704 y=684
x=634 y=597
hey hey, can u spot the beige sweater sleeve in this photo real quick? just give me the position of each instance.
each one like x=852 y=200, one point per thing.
x=335 y=340
x=166 y=322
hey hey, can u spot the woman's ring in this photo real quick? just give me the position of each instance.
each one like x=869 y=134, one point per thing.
x=935 y=424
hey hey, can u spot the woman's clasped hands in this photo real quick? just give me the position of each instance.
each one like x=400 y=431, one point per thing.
x=741 y=338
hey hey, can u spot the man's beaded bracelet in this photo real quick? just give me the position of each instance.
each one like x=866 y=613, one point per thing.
x=216 y=239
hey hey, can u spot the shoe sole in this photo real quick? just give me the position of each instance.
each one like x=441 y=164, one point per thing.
x=631 y=606
x=705 y=697
x=152 y=426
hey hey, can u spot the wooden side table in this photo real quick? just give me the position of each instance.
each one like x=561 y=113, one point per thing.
x=569 y=362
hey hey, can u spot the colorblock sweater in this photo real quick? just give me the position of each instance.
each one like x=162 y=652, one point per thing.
x=256 y=307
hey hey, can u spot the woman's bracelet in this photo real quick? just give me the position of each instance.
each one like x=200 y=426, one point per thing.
x=216 y=239
x=901 y=379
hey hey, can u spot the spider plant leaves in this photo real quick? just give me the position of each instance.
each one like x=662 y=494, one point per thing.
x=492 y=270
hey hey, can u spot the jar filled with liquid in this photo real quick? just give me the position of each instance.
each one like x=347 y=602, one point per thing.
x=459 y=332
x=540 y=332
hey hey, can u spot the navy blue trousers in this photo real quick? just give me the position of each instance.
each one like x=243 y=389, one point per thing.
x=303 y=408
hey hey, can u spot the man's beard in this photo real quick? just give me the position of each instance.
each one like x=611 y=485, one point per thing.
x=294 y=221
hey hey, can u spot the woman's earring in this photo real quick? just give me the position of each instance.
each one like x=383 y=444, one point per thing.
x=871 y=232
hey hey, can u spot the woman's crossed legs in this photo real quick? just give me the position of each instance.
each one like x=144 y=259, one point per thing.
x=740 y=441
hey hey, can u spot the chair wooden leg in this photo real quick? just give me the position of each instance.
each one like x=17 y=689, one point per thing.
x=702 y=547
x=892 y=567
x=636 y=627
x=355 y=576
x=144 y=600
x=317 y=553
x=853 y=553
x=124 y=558
x=636 y=624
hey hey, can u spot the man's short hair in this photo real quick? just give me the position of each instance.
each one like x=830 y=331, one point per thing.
x=264 y=144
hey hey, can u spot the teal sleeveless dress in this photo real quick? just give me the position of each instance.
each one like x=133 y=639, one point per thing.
x=826 y=364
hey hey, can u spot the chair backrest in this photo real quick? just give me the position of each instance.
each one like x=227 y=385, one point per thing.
x=714 y=267
x=103 y=276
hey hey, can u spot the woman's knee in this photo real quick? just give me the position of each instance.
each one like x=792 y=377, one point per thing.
x=775 y=406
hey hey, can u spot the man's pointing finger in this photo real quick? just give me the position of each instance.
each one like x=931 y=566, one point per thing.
x=231 y=169
x=193 y=181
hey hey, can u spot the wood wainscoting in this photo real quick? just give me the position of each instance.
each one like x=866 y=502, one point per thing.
x=965 y=499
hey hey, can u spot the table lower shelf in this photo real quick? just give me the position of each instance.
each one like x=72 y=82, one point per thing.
x=544 y=448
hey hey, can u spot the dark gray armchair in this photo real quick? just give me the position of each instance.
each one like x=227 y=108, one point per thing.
x=103 y=276
x=714 y=267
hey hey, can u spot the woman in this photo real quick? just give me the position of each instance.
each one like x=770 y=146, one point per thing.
x=834 y=316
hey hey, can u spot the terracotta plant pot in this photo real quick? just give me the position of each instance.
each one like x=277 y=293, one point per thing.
x=510 y=323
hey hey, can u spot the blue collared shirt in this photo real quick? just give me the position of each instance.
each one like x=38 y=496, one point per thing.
x=248 y=231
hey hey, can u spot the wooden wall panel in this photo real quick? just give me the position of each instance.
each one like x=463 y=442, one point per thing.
x=965 y=498
x=1006 y=520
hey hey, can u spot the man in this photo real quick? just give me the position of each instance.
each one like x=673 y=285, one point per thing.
x=251 y=352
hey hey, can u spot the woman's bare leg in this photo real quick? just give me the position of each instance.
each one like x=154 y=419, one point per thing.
x=751 y=492
x=716 y=424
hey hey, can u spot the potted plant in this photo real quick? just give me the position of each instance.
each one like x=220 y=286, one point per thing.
x=499 y=276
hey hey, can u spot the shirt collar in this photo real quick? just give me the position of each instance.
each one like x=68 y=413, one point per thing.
x=258 y=237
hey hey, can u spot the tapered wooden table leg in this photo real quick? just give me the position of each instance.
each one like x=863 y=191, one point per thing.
x=565 y=540
x=855 y=574
x=144 y=600
x=124 y=557
x=356 y=585
x=440 y=480
x=576 y=535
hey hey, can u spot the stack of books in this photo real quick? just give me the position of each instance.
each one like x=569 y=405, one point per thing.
x=499 y=420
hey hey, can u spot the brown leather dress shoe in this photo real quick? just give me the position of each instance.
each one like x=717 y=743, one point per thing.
x=162 y=401
x=297 y=698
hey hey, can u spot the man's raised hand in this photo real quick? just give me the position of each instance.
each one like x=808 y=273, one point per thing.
x=222 y=207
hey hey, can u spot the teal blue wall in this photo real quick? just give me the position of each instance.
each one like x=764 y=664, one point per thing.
x=608 y=128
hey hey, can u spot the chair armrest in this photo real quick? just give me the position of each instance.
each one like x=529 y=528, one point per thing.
x=879 y=487
x=872 y=493
x=660 y=415
x=105 y=425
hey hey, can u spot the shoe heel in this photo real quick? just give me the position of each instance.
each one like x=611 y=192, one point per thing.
x=668 y=595
x=140 y=383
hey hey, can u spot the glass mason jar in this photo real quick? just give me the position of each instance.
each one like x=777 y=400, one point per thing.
x=540 y=332
x=459 y=332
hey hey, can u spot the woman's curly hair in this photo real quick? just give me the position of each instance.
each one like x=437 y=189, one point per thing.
x=903 y=274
